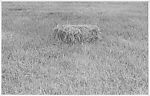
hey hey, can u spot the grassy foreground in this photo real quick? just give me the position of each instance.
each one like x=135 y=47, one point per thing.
x=34 y=63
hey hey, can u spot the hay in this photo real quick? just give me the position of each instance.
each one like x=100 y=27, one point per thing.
x=72 y=34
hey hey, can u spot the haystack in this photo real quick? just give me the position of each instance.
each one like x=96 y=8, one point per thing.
x=72 y=34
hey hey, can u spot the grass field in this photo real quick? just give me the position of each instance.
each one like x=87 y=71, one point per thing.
x=33 y=62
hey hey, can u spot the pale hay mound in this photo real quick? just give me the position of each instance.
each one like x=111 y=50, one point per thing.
x=72 y=34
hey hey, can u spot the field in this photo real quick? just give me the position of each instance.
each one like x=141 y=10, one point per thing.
x=33 y=62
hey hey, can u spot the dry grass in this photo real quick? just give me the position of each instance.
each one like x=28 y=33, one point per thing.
x=33 y=62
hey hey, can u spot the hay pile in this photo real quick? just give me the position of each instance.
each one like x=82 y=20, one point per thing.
x=72 y=34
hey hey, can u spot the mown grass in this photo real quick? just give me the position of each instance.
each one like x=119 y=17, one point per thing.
x=34 y=63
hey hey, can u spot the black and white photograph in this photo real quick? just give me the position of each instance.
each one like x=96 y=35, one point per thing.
x=74 y=48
